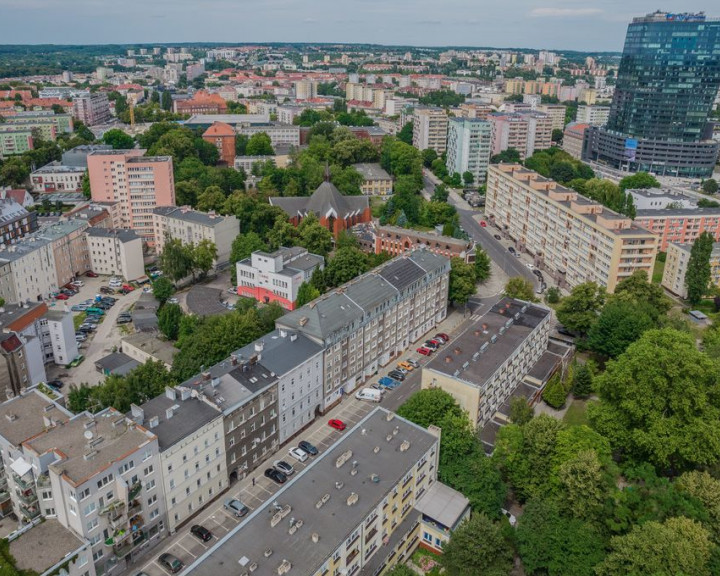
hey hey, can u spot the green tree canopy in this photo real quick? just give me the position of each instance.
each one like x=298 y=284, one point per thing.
x=348 y=263
x=169 y=317
x=176 y=259
x=520 y=288
x=259 y=144
x=162 y=288
x=118 y=139
x=620 y=323
x=428 y=407
x=637 y=181
x=462 y=281
x=580 y=310
x=697 y=277
x=242 y=247
x=710 y=186
x=483 y=268
x=477 y=548
x=204 y=254
x=306 y=293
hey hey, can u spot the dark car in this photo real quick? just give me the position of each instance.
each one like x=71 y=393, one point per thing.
x=497 y=237
x=560 y=329
x=397 y=375
x=56 y=384
x=106 y=290
x=511 y=250
x=108 y=299
x=171 y=563
x=201 y=532
x=91 y=274
x=443 y=336
x=431 y=344
x=275 y=475
x=307 y=447
x=123 y=320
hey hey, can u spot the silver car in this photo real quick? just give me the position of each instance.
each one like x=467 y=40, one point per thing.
x=236 y=508
x=283 y=467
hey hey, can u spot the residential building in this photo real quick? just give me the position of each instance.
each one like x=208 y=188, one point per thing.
x=676 y=264
x=15 y=221
x=280 y=134
x=70 y=249
x=573 y=138
x=556 y=112
x=222 y=136
x=525 y=132
x=442 y=510
x=576 y=239
x=193 y=226
x=305 y=89
x=204 y=121
x=115 y=253
x=92 y=109
x=370 y=321
x=193 y=71
x=47 y=122
x=246 y=163
x=679 y=225
x=660 y=199
x=202 y=102
x=430 y=127
x=376 y=182
x=334 y=211
x=246 y=393
x=659 y=117
x=144 y=346
x=78 y=156
x=593 y=115
x=333 y=520
x=27 y=271
x=140 y=183
x=14 y=140
x=276 y=276
x=484 y=364
x=54 y=177
x=469 y=142
x=101 y=475
x=395 y=241
x=20 y=195
x=192 y=451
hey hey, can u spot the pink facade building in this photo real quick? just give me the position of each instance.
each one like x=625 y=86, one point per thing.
x=139 y=183
x=680 y=225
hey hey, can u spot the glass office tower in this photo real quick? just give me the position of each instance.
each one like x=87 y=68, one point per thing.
x=668 y=78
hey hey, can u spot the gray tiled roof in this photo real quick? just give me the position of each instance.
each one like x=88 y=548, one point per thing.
x=282 y=354
x=194 y=216
x=327 y=197
x=122 y=235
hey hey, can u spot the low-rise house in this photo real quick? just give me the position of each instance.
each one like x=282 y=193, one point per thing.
x=376 y=181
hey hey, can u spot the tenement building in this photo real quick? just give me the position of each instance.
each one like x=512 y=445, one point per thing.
x=576 y=239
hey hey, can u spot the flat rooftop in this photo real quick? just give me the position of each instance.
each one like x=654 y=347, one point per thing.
x=483 y=347
x=372 y=171
x=46 y=544
x=22 y=417
x=333 y=521
x=443 y=504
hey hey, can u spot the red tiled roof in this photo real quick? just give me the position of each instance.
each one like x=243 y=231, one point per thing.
x=24 y=320
x=11 y=343
x=219 y=129
x=17 y=194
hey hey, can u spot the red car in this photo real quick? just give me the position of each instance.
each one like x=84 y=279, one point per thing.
x=62 y=296
x=424 y=351
x=337 y=424
x=443 y=336
x=127 y=287
x=483 y=223
x=91 y=274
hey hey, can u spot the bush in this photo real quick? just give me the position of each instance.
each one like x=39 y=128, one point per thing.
x=555 y=393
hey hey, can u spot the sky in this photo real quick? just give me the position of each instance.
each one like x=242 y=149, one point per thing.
x=555 y=24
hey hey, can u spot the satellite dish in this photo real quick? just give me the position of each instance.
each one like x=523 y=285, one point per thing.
x=88 y=434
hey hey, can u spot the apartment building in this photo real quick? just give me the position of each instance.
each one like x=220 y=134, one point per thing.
x=144 y=346
x=14 y=140
x=483 y=366
x=395 y=241
x=222 y=136
x=525 y=132
x=70 y=248
x=679 y=225
x=376 y=181
x=576 y=239
x=140 y=183
x=593 y=115
x=573 y=138
x=430 y=127
x=660 y=199
x=47 y=122
x=15 y=221
x=92 y=109
x=115 y=253
x=280 y=134
x=246 y=392
x=368 y=322
x=54 y=177
x=469 y=143
x=202 y=102
x=78 y=156
x=193 y=226
x=276 y=276
x=27 y=270
x=305 y=89
x=192 y=451
x=556 y=112
x=352 y=510
x=676 y=265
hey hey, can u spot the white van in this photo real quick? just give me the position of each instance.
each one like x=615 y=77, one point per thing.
x=369 y=394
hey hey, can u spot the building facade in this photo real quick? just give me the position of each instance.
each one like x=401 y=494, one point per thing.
x=14 y=140
x=593 y=115
x=523 y=131
x=676 y=264
x=222 y=136
x=115 y=253
x=679 y=225
x=430 y=126
x=92 y=109
x=15 y=221
x=469 y=143
x=396 y=241
x=280 y=134
x=56 y=178
x=576 y=239
x=376 y=182
x=573 y=139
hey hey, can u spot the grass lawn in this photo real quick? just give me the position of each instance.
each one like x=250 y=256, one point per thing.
x=377 y=203
x=658 y=271
x=576 y=413
x=79 y=319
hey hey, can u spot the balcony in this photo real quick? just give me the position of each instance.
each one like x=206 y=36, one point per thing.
x=29 y=512
x=118 y=520
x=28 y=497
x=112 y=508
x=43 y=480
x=135 y=489
x=134 y=508
x=123 y=549
x=25 y=482
x=4 y=496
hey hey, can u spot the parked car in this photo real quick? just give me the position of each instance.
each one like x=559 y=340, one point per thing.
x=483 y=223
x=401 y=370
x=307 y=447
x=115 y=284
x=55 y=384
x=172 y=300
x=511 y=518
x=396 y=375
x=123 y=320
x=437 y=341
x=431 y=345
x=91 y=274
x=76 y=362
x=95 y=310
x=387 y=382
x=298 y=453
x=511 y=250
x=413 y=363
x=106 y=290
x=235 y=507
x=80 y=337
x=369 y=394
x=284 y=467
x=405 y=366
x=128 y=287
x=171 y=563
x=201 y=532
x=424 y=351
x=78 y=283
x=275 y=475
x=62 y=296
x=443 y=336
x=337 y=424
x=497 y=236
x=79 y=307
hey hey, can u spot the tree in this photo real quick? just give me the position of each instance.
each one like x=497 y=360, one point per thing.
x=429 y=156
x=176 y=259
x=347 y=264
x=169 y=317
x=582 y=383
x=676 y=546
x=620 y=323
x=14 y=172
x=661 y=402
x=557 y=135
x=462 y=281
x=697 y=277
x=637 y=289
x=555 y=392
x=477 y=547
x=204 y=254
x=706 y=489
x=306 y=293
x=580 y=310
x=510 y=155
x=212 y=198
x=283 y=234
x=166 y=100
x=314 y=236
x=428 y=407
x=638 y=180
x=710 y=186
x=520 y=288
x=520 y=411
x=584 y=486
x=242 y=247
x=440 y=194
x=118 y=139
x=401 y=570
x=259 y=144
x=479 y=480
x=483 y=268
x=86 y=185
x=468 y=178
x=553 y=295
x=406 y=133
x=162 y=289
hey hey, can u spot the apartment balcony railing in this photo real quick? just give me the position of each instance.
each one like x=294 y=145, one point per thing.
x=28 y=497
x=29 y=512
x=24 y=482
x=112 y=508
x=135 y=489
x=4 y=496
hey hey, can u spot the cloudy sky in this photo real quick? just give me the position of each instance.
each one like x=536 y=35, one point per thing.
x=569 y=24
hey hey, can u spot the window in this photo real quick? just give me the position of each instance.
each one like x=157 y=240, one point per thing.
x=125 y=467
x=152 y=500
x=97 y=555
x=172 y=484
x=92 y=524
x=89 y=509
x=149 y=470
x=150 y=485
x=427 y=537
x=84 y=494
x=47 y=496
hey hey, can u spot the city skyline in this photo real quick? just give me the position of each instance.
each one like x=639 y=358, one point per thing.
x=551 y=24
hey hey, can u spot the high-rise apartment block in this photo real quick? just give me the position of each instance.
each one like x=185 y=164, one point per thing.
x=140 y=183
x=525 y=132
x=92 y=109
x=668 y=79
x=469 y=143
x=430 y=126
x=593 y=115
x=679 y=225
x=305 y=89
x=556 y=112
x=577 y=239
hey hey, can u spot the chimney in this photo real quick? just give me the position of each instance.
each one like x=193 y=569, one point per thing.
x=137 y=413
x=259 y=345
x=233 y=360
x=283 y=333
x=169 y=413
x=169 y=393
x=206 y=376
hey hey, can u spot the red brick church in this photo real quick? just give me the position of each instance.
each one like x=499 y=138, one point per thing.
x=334 y=211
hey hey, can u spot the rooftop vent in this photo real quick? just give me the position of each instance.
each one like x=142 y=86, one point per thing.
x=315 y=537
x=389 y=437
x=339 y=485
x=268 y=553
x=376 y=449
x=320 y=503
x=374 y=478
x=352 y=499
x=457 y=351
x=389 y=416
x=484 y=347
x=344 y=457
x=284 y=567
x=494 y=338
x=524 y=308
x=154 y=421
x=170 y=393
x=405 y=446
x=502 y=330
x=517 y=316
x=510 y=322
x=206 y=376
x=448 y=359
x=303 y=320
x=90 y=455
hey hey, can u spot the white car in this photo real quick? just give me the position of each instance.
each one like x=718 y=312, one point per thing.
x=173 y=300
x=530 y=266
x=298 y=453
x=511 y=518
x=115 y=283
x=78 y=283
